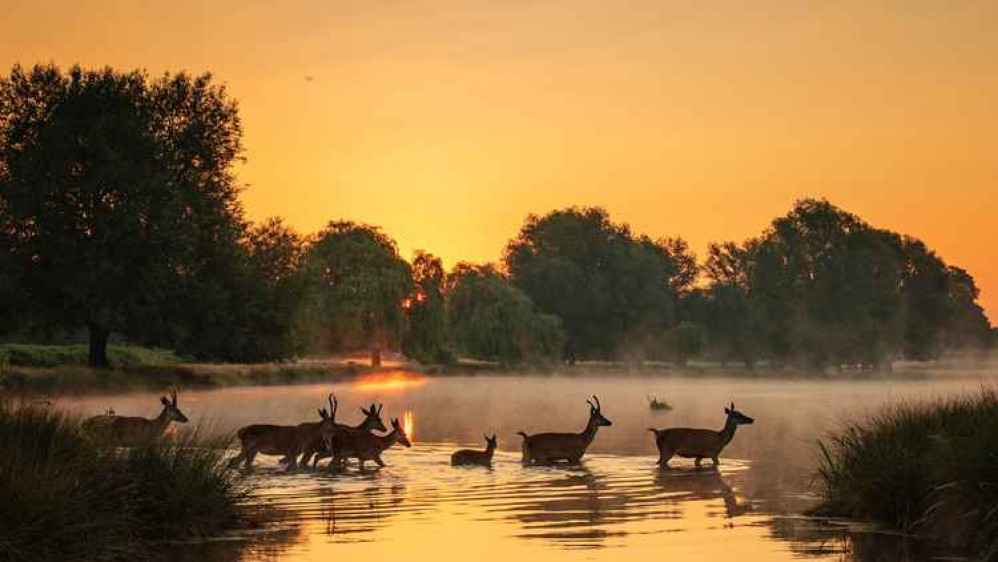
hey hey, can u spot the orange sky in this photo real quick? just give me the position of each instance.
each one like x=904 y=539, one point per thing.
x=447 y=122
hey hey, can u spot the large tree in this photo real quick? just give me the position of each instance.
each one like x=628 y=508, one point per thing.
x=609 y=288
x=109 y=182
x=492 y=320
x=360 y=285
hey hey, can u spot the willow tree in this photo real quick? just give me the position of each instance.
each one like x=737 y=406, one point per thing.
x=107 y=179
x=492 y=320
x=426 y=338
x=359 y=285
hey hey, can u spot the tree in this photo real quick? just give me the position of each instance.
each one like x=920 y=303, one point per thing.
x=252 y=312
x=608 y=287
x=106 y=180
x=492 y=320
x=360 y=286
x=426 y=314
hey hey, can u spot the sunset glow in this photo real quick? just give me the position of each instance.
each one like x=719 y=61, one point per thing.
x=388 y=382
x=447 y=122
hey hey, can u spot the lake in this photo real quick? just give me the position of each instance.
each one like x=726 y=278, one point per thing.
x=617 y=505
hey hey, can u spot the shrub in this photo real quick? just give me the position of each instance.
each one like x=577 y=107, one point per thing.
x=930 y=468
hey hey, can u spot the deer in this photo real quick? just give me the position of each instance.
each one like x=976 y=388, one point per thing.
x=546 y=448
x=363 y=445
x=698 y=444
x=128 y=431
x=471 y=456
x=372 y=422
x=285 y=440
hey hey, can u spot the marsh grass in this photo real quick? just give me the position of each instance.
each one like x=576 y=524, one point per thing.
x=64 y=497
x=922 y=468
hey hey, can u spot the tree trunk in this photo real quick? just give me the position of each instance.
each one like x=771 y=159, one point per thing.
x=376 y=357
x=97 y=356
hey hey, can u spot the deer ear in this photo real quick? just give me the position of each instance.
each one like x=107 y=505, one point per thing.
x=363 y=411
x=727 y=410
x=164 y=400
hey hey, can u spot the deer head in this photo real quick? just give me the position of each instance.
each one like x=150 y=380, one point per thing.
x=372 y=421
x=400 y=436
x=737 y=417
x=596 y=414
x=170 y=408
x=491 y=442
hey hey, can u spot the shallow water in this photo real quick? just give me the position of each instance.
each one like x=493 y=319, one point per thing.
x=616 y=505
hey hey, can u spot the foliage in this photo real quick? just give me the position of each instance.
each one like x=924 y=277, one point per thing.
x=927 y=468
x=682 y=343
x=359 y=285
x=249 y=308
x=492 y=320
x=63 y=498
x=605 y=284
x=112 y=185
x=822 y=287
x=426 y=337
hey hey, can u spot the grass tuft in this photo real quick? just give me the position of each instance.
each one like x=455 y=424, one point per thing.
x=64 y=497
x=924 y=468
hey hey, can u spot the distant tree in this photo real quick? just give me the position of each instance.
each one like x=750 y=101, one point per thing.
x=360 y=286
x=967 y=326
x=682 y=343
x=925 y=287
x=607 y=286
x=426 y=337
x=110 y=183
x=492 y=320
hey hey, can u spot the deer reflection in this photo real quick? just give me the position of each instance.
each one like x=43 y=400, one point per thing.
x=701 y=485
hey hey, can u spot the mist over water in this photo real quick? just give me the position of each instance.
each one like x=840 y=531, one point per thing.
x=617 y=503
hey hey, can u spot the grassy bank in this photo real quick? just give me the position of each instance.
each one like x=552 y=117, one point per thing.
x=63 y=498
x=930 y=469
x=31 y=355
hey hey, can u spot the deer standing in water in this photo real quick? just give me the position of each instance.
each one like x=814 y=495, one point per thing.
x=127 y=431
x=698 y=444
x=372 y=422
x=471 y=456
x=285 y=440
x=363 y=445
x=546 y=448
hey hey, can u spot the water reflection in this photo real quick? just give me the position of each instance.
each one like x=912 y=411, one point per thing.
x=616 y=503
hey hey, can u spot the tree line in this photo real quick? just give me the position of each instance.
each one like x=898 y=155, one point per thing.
x=120 y=215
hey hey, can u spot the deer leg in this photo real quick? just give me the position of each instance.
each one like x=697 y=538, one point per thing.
x=663 y=457
x=716 y=462
x=697 y=462
x=234 y=462
x=249 y=458
x=319 y=456
x=380 y=462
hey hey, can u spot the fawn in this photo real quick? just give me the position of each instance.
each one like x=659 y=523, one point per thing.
x=471 y=456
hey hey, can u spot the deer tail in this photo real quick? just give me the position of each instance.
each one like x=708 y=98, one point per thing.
x=524 y=434
x=653 y=430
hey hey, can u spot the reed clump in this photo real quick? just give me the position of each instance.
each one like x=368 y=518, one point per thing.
x=65 y=497
x=929 y=468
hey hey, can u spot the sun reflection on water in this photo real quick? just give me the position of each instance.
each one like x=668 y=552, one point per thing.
x=407 y=425
x=394 y=380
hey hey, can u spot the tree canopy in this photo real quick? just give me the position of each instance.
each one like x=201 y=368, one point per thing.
x=360 y=285
x=492 y=320
x=108 y=182
x=606 y=285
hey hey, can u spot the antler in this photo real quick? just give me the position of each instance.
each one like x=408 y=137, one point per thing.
x=380 y=406
x=598 y=407
x=173 y=395
x=333 y=405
